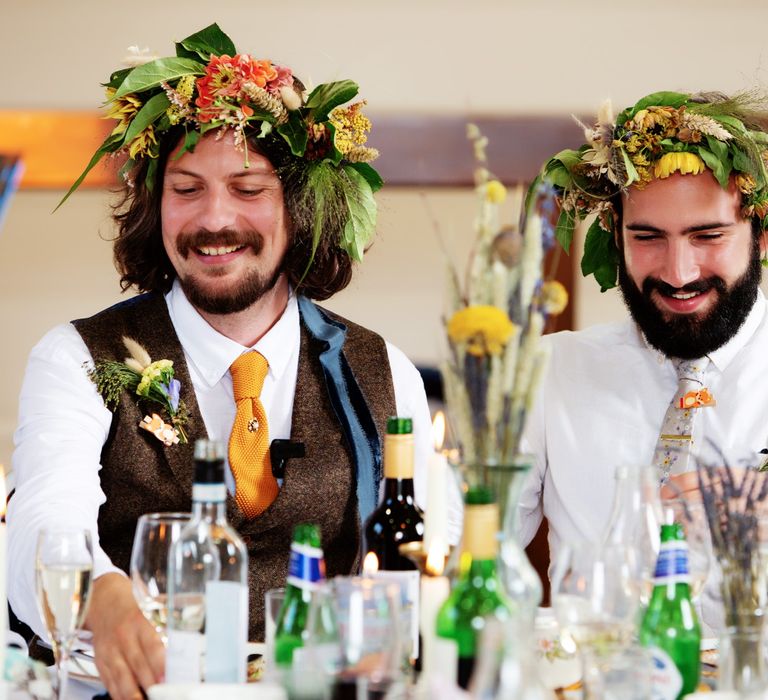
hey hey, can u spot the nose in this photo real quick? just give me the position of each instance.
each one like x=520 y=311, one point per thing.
x=681 y=266
x=217 y=211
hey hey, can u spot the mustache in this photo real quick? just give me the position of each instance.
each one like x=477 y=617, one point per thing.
x=202 y=238
x=703 y=285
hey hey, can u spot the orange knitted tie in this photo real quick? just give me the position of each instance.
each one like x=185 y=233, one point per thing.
x=255 y=487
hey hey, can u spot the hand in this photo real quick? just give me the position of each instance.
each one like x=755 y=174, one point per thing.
x=129 y=653
x=681 y=486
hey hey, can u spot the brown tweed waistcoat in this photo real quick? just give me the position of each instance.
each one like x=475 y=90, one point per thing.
x=139 y=474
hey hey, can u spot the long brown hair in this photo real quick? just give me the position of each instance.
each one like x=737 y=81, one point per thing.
x=140 y=256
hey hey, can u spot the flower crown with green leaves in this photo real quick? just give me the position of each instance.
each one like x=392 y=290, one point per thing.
x=208 y=85
x=664 y=133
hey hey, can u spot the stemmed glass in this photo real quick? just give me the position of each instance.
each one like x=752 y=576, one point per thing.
x=155 y=533
x=596 y=602
x=64 y=571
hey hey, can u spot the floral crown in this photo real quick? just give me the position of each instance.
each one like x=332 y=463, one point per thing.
x=664 y=133
x=208 y=85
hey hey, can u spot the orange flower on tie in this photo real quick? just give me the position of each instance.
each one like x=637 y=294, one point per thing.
x=697 y=399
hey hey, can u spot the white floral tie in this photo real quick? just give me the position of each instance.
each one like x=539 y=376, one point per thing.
x=673 y=449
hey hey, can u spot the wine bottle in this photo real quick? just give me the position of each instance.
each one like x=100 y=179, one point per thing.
x=397 y=519
x=207 y=584
x=670 y=626
x=477 y=593
x=306 y=572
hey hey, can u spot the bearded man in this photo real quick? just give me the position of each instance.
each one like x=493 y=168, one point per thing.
x=680 y=193
x=245 y=199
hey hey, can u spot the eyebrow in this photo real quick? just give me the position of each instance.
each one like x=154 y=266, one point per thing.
x=171 y=170
x=640 y=226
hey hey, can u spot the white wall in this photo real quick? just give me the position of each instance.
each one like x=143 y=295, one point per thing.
x=432 y=56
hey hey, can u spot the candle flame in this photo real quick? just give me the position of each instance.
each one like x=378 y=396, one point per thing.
x=370 y=563
x=435 y=563
x=438 y=430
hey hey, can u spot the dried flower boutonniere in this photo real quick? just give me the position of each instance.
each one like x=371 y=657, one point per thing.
x=149 y=380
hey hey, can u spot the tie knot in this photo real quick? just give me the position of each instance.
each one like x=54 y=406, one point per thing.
x=248 y=372
x=691 y=369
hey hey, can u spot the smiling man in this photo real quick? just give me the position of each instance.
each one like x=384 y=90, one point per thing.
x=679 y=191
x=246 y=198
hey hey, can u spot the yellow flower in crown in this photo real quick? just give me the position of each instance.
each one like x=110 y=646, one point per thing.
x=123 y=109
x=684 y=163
x=485 y=329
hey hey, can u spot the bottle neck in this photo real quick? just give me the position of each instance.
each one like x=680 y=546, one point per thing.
x=399 y=489
x=209 y=502
x=398 y=456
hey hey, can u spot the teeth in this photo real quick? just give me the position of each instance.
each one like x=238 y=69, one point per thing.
x=221 y=250
x=681 y=295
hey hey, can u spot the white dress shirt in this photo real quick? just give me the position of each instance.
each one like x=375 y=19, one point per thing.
x=602 y=403
x=63 y=425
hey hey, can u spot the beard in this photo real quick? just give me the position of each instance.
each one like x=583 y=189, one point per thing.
x=690 y=336
x=247 y=291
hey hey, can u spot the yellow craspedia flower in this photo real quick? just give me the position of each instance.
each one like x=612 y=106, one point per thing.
x=684 y=163
x=144 y=144
x=485 y=329
x=554 y=298
x=495 y=192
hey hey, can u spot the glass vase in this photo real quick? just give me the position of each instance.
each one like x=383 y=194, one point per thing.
x=505 y=482
x=741 y=658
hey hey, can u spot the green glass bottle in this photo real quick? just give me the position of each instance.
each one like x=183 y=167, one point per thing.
x=306 y=571
x=477 y=593
x=670 y=627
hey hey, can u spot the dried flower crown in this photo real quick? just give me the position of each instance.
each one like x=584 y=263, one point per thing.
x=208 y=86
x=663 y=133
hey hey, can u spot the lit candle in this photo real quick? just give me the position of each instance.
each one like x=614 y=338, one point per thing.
x=370 y=564
x=434 y=590
x=436 y=515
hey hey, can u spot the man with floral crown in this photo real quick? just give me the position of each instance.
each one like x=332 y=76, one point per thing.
x=246 y=198
x=677 y=191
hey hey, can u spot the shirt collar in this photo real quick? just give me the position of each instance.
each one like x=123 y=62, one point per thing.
x=722 y=357
x=212 y=353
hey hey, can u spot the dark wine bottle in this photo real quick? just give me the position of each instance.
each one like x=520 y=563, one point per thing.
x=397 y=519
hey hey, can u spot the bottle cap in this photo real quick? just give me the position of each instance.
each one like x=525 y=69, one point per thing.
x=397 y=425
x=307 y=533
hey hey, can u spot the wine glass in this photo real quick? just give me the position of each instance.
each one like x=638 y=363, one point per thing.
x=373 y=637
x=155 y=533
x=64 y=572
x=596 y=602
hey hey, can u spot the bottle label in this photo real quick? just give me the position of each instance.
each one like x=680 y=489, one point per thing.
x=666 y=680
x=184 y=657
x=672 y=564
x=209 y=493
x=306 y=567
x=226 y=631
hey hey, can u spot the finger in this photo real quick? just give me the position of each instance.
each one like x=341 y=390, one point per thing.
x=154 y=653
x=123 y=684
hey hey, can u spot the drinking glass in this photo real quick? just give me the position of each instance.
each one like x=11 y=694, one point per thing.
x=373 y=638
x=155 y=533
x=64 y=571
x=596 y=602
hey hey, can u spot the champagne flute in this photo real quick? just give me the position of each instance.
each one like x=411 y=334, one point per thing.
x=155 y=533
x=596 y=601
x=64 y=571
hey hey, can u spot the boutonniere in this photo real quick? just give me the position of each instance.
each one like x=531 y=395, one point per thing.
x=150 y=381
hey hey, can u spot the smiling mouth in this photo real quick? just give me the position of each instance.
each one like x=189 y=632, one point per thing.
x=213 y=251
x=685 y=295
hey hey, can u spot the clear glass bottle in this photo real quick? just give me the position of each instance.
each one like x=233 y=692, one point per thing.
x=207 y=584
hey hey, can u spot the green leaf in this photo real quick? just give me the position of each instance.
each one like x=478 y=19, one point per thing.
x=742 y=162
x=567 y=158
x=361 y=223
x=718 y=148
x=327 y=96
x=110 y=145
x=116 y=79
x=369 y=173
x=161 y=70
x=294 y=132
x=149 y=179
x=719 y=169
x=566 y=222
x=530 y=195
x=660 y=99
x=191 y=139
x=210 y=40
x=153 y=108
x=735 y=124
x=334 y=156
x=600 y=256
x=629 y=166
x=559 y=176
